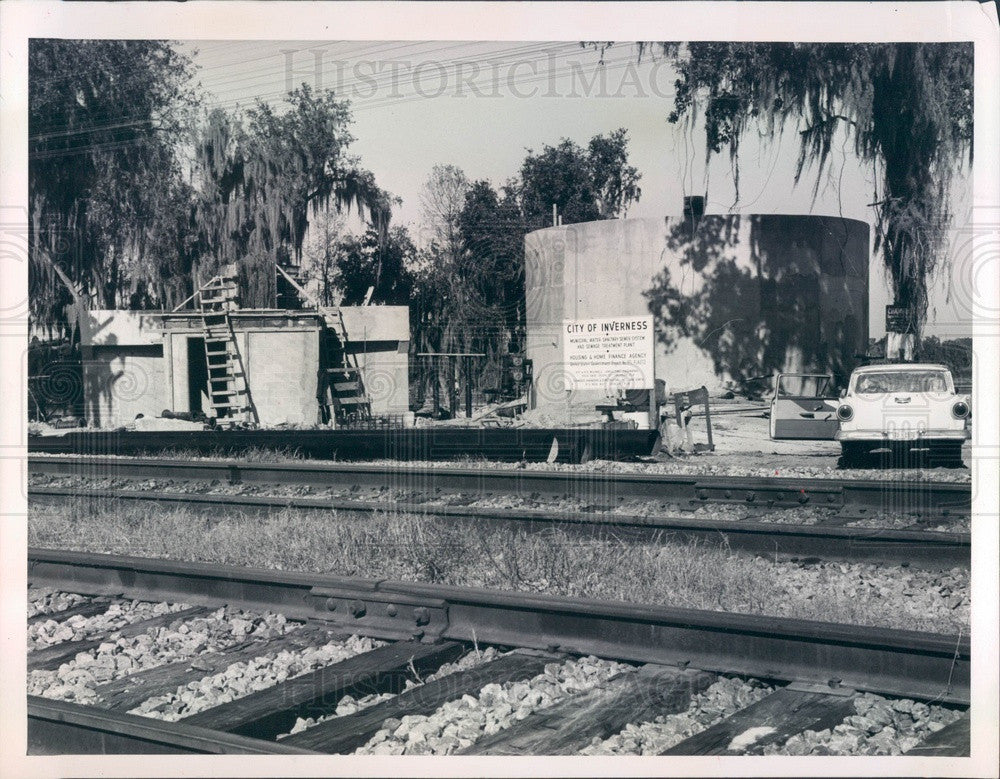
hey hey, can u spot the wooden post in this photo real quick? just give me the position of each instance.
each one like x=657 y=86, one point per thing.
x=468 y=387
x=435 y=369
x=708 y=418
x=452 y=389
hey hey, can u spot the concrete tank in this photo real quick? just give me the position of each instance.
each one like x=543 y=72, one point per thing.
x=733 y=297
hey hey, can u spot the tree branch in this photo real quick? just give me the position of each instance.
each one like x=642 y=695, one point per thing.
x=828 y=120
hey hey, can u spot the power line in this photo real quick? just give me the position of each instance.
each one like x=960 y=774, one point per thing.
x=546 y=51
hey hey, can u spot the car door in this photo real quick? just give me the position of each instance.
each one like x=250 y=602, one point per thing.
x=803 y=408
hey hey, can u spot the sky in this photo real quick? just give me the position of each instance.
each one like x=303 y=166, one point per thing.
x=483 y=105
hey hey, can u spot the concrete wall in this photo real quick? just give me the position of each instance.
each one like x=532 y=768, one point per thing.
x=280 y=355
x=120 y=382
x=732 y=297
x=137 y=362
x=376 y=323
x=385 y=373
x=379 y=338
x=123 y=366
x=281 y=367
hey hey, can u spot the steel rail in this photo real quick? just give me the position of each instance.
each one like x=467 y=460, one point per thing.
x=60 y=728
x=828 y=542
x=918 y=497
x=892 y=662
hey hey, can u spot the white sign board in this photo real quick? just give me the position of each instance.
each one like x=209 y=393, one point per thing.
x=609 y=354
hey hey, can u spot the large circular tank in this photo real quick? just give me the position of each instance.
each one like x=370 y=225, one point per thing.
x=734 y=297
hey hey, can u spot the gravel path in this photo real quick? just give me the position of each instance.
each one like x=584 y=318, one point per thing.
x=76 y=628
x=122 y=656
x=880 y=727
x=459 y=724
x=242 y=679
x=721 y=700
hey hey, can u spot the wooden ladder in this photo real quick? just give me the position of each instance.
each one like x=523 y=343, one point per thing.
x=343 y=398
x=228 y=390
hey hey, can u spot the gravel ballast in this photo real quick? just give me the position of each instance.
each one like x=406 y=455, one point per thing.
x=459 y=724
x=351 y=705
x=76 y=628
x=120 y=656
x=48 y=601
x=721 y=700
x=881 y=726
x=242 y=679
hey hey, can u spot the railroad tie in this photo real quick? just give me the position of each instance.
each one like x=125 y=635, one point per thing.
x=51 y=657
x=128 y=692
x=952 y=740
x=770 y=720
x=90 y=608
x=64 y=728
x=570 y=725
x=345 y=734
x=269 y=712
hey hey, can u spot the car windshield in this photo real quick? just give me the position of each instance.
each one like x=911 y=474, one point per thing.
x=902 y=381
x=803 y=386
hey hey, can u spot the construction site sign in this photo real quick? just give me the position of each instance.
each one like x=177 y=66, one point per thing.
x=609 y=354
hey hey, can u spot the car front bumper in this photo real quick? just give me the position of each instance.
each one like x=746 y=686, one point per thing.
x=926 y=437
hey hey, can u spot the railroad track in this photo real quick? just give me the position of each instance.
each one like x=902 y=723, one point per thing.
x=825 y=540
x=927 y=499
x=577 y=444
x=813 y=673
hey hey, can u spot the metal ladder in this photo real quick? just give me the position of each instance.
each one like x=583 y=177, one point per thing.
x=228 y=390
x=344 y=398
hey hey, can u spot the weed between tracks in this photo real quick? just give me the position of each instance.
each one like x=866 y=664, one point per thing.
x=252 y=454
x=498 y=556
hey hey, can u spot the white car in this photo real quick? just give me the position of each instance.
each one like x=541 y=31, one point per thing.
x=902 y=408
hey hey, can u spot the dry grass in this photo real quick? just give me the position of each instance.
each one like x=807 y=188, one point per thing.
x=252 y=454
x=471 y=553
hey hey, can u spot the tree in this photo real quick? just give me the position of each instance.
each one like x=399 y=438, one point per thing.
x=106 y=196
x=319 y=253
x=441 y=202
x=906 y=106
x=435 y=267
x=616 y=183
x=468 y=281
x=491 y=266
x=373 y=260
x=263 y=175
x=584 y=184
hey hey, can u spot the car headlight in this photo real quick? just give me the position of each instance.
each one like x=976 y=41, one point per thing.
x=844 y=412
x=960 y=410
